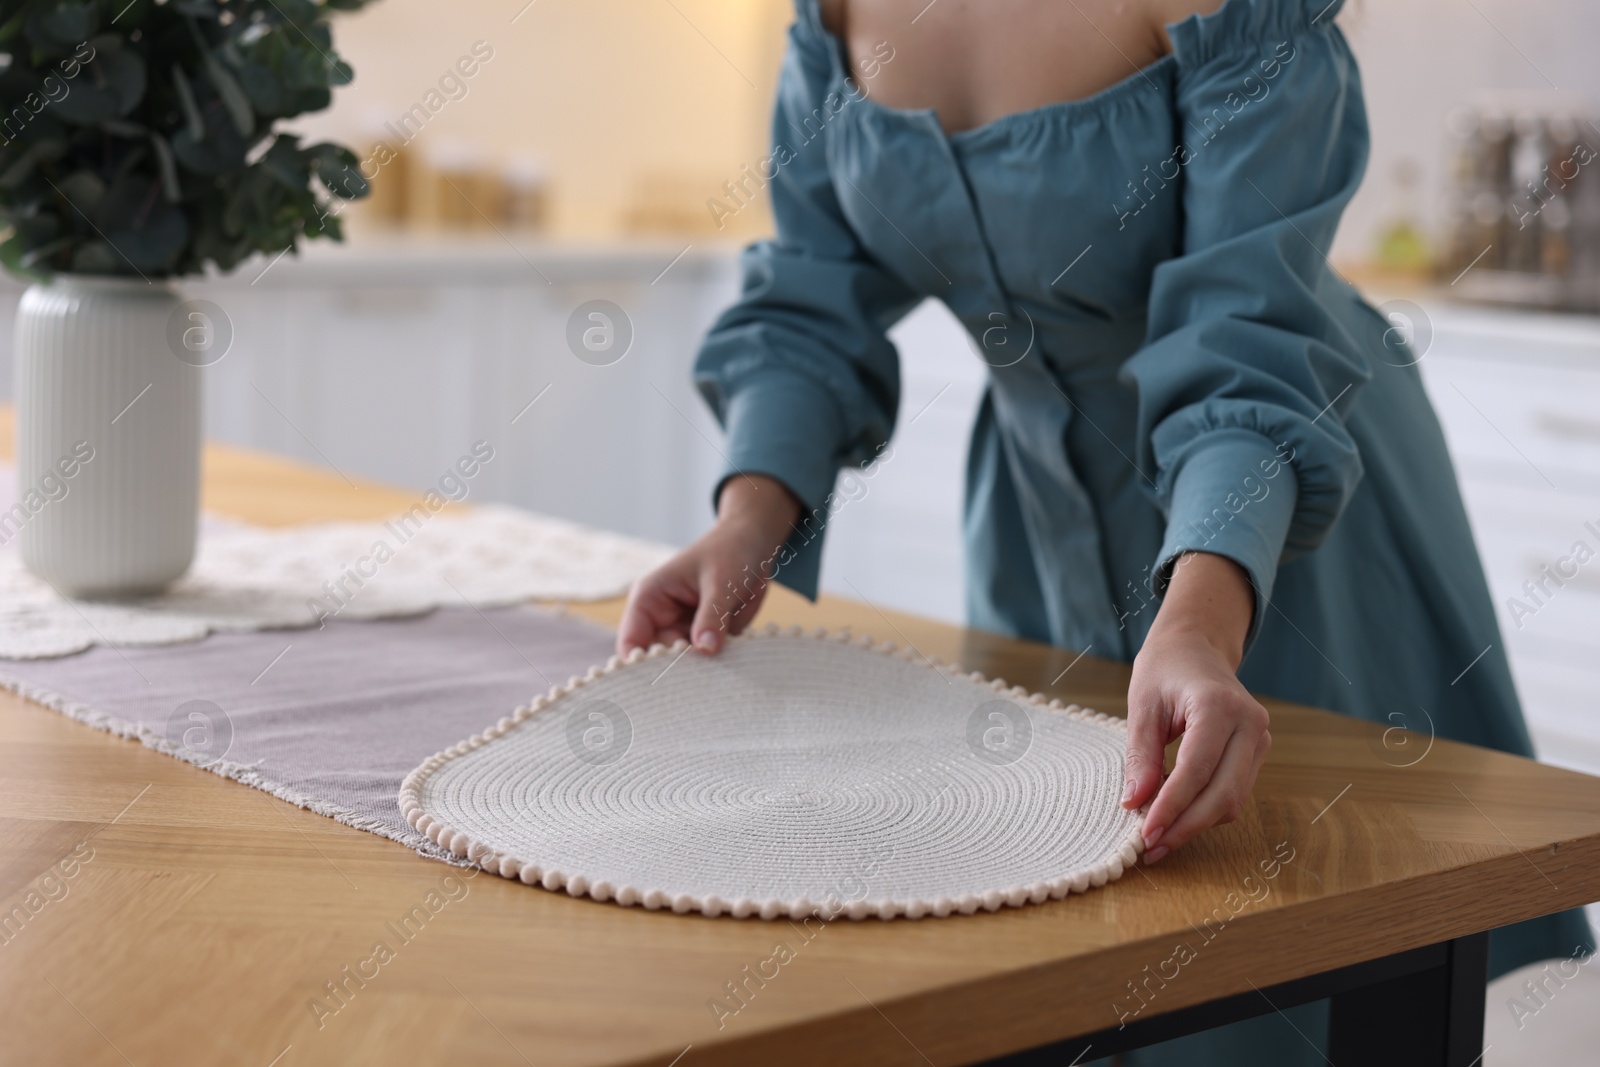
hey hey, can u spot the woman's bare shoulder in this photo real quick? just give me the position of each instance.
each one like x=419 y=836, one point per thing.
x=1165 y=12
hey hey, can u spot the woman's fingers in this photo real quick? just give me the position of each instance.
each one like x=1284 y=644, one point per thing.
x=1148 y=734
x=710 y=619
x=1222 y=799
x=637 y=629
x=726 y=605
x=1204 y=741
x=659 y=608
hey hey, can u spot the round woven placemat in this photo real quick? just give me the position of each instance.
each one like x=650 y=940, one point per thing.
x=791 y=775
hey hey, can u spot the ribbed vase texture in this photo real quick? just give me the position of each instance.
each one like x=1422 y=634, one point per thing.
x=108 y=438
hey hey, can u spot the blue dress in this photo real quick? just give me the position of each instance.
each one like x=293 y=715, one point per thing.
x=1173 y=366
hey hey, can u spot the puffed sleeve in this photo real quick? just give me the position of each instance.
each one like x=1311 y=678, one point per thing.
x=800 y=371
x=1246 y=369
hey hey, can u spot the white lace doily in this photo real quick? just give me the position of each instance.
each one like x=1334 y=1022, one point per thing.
x=788 y=776
x=256 y=578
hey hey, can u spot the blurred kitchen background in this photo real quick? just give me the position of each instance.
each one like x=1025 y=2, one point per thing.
x=536 y=156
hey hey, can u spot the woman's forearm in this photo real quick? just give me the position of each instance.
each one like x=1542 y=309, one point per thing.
x=1210 y=597
x=760 y=505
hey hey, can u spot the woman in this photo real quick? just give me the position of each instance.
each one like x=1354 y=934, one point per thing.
x=1199 y=448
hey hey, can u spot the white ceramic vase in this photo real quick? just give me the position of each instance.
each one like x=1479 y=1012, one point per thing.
x=108 y=437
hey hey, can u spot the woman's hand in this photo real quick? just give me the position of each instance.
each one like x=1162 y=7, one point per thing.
x=715 y=586
x=1184 y=684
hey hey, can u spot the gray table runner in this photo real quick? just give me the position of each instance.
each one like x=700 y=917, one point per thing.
x=328 y=719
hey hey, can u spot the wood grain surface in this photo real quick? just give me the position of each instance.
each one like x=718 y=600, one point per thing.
x=186 y=919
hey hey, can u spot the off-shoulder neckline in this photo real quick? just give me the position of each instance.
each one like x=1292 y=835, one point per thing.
x=1160 y=68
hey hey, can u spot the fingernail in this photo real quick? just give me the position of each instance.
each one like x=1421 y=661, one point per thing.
x=707 y=641
x=1155 y=854
x=1153 y=838
x=1127 y=792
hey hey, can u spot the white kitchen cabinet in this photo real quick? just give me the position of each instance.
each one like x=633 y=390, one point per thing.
x=389 y=362
x=1518 y=394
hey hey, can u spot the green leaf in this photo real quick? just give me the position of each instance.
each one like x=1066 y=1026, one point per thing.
x=169 y=169
x=129 y=15
x=54 y=29
x=37 y=230
x=314 y=99
x=12 y=26
x=112 y=85
x=128 y=196
x=96 y=257
x=220 y=151
x=34 y=257
x=124 y=72
x=298 y=65
x=226 y=253
x=124 y=128
x=265 y=88
x=84 y=189
x=191 y=110
x=87 y=105
x=142 y=228
x=339 y=171
x=286 y=164
x=154 y=244
x=238 y=105
x=39 y=152
x=13 y=252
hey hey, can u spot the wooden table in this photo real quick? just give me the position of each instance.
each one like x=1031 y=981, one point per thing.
x=211 y=915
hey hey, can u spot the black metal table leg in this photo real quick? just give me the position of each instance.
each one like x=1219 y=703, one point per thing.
x=1431 y=1018
x=1419 y=1008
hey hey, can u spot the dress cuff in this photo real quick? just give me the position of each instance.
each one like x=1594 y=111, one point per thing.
x=785 y=425
x=1233 y=495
